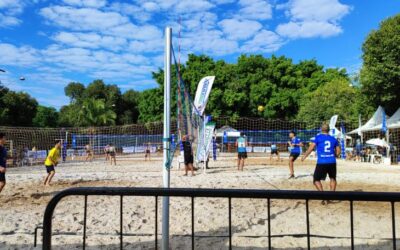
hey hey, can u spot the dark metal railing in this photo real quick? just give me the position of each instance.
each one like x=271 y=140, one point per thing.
x=230 y=194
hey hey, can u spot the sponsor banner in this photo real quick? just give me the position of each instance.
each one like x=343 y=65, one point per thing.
x=205 y=141
x=259 y=149
x=202 y=93
x=332 y=123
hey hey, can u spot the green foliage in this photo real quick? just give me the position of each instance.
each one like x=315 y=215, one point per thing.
x=334 y=98
x=45 y=117
x=94 y=112
x=17 y=108
x=380 y=74
x=276 y=83
x=129 y=107
x=151 y=105
x=109 y=96
x=68 y=115
x=74 y=91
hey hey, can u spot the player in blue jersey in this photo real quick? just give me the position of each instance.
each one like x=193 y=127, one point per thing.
x=327 y=150
x=274 y=151
x=295 y=150
x=241 y=144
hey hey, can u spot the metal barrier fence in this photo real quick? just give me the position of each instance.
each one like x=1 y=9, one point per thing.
x=230 y=194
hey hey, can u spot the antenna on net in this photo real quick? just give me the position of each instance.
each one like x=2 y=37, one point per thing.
x=179 y=44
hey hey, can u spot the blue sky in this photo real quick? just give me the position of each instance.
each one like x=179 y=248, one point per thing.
x=52 y=43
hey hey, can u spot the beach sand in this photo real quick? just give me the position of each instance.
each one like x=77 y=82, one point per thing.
x=24 y=199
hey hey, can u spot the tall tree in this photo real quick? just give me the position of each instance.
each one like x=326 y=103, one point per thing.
x=94 y=112
x=74 y=91
x=334 y=98
x=68 y=115
x=151 y=105
x=17 y=109
x=380 y=74
x=129 y=107
x=45 y=117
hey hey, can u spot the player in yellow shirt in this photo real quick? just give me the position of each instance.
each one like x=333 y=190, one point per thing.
x=51 y=162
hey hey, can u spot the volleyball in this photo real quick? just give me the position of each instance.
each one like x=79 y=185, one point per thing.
x=260 y=108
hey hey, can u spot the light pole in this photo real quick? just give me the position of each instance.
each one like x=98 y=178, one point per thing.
x=3 y=71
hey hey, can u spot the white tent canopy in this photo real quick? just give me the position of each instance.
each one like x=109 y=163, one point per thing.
x=394 y=120
x=377 y=142
x=375 y=123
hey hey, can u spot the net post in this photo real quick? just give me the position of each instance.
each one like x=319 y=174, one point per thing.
x=204 y=143
x=166 y=142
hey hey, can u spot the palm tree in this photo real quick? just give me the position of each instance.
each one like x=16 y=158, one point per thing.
x=94 y=112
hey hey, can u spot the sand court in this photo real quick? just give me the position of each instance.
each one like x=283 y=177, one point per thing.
x=24 y=200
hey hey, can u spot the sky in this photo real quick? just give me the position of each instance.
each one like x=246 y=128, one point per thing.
x=52 y=43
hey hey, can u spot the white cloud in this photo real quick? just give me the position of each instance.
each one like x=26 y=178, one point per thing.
x=265 y=41
x=82 y=18
x=317 y=10
x=223 y=1
x=255 y=9
x=131 y=31
x=150 y=6
x=138 y=13
x=8 y=21
x=312 y=18
x=12 y=6
x=9 y=10
x=209 y=42
x=152 y=46
x=308 y=29
x=199 y=21
x=24 y=56
x=105 y=22
x=90 y=40
x=87 y=3
x=164 y=4
x=239 y=29
x=177 y=6
x=189 y=6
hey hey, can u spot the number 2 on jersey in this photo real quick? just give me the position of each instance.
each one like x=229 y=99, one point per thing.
x=327 y=146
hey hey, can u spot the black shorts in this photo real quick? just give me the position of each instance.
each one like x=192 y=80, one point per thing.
x=2 y=177
x=147 y=151
x=294 y=155
x=322 y=170
x=242 y=155
x=188 y=159
x=274 y=152
x=112 y=154
x=50 y=168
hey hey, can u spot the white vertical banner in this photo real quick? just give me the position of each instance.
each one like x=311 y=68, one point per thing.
x=332 y=122
x=205 y=141
x=202 y=94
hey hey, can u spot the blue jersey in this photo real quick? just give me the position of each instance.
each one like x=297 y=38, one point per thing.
x=273 y=147
x=326 y=147
x=241 y=144
x=295 y=148
x=3 y=157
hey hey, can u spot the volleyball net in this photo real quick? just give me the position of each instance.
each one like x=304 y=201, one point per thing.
x=30 y=145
